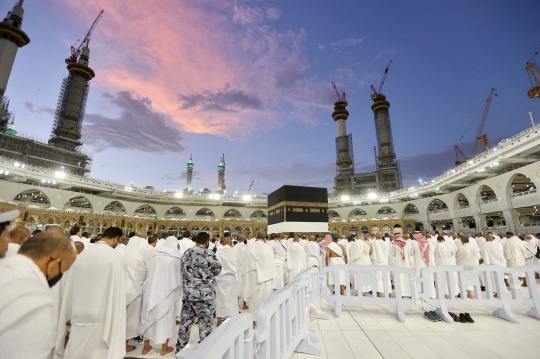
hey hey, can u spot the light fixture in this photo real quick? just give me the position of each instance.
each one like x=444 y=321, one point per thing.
x=345 y=198
x=372 y=195
x=17 y=164
x=247 y=197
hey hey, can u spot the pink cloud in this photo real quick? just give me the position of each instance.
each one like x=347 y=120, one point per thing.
x=196 y=65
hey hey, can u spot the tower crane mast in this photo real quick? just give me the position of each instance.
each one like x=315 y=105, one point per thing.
x=534 y=77
x=250 y=186
x=76 y=52
x=340 y=97
x=479 y=136
x=375 y=92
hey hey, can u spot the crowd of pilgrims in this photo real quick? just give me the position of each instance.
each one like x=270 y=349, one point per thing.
x=82 y=296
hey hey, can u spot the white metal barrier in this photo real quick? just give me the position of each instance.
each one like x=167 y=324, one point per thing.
x=283 y=322
x=378 y=278
x=533 y=301
x=466 y=278
x=314 y=279
x=231 y=340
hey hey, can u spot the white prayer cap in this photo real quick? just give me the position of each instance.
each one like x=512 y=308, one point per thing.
x=9 y=215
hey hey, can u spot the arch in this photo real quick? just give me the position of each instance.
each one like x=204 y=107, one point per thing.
x=78 y=204
x=32 y=197
x=462 y=201
x=259 y=215
x=410 y=210
x=333 y=216
x=364 y=229
x=437 y=205
x=173 y=228
x=409 y=229
x=486 y=194
x=227 y=229
x=386 y=229
x=374 y=229
x=357 y=213
x=232 y=213
x=519 y=184
x=206 y=229
x=205 y=213
x=114 y=207
x=397 y=226
x=175 y=212
x=161 y=228
x=145 y=211
x=386 y=210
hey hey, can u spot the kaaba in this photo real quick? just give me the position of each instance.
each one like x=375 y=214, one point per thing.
x=298 y=209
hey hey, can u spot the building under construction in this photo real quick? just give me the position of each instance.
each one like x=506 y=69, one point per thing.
x=62 y=152
x=387 y=176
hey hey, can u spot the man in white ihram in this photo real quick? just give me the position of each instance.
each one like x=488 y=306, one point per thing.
x=468 y=255
x=379 y=257
x=135 y=275
x=296 y=259
x=185 y=242
x=94 y=301
x=360 y=256
x=257 y=274
x=531 y=246
x=17 y=237
x=280 y=256
x=445 y=255
x=312 y=252
x=161 y=291
x=335 y=256
x=515 y=253
x=493 y=254
x=226 y=285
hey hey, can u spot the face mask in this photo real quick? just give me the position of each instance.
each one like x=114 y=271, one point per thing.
x=57 y=278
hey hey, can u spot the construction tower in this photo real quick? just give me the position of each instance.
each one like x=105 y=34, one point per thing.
x=189 y=176
x=221 y=176
x=344 y=148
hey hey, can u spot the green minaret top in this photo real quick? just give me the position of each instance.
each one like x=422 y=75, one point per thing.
x=10 y=130
x=190 y=164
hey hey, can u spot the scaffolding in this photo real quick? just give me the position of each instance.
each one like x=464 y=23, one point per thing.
x=345 y=156
x=69 y=115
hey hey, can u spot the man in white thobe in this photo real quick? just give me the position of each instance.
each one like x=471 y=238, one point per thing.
x=360 y=256
x=148 y=251
x=135 y=275
x=296 y=259
x=186 y=243
x=446 y=256
x=121 y=246
x=257 y=274
x=17 y=237
x=94 y=301
x=379 y=257
x=468 y=255
x=422 y=254
x=161 y=291
x=493 y=254
x=29 y=316
x=280 y=257
x=241 y=249
x=400 y=251
x=515 y=253
x=312 y=253
x=226 y=285
x=531 y=247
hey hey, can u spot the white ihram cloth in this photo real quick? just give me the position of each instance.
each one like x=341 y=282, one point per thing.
x=160 y=243
x=94 y=300
x=280 y=256
x=296 y=260
x=257 y=275
x=27 y=309
x=226 y=285
x=312 y=254
x=446 y=256
x=450 y=240
x=161 y=291
x=468 y=255
x=403 y=261
x=514 y=252
x=241 y=249
x=13 y=248
x=419 y=264
x=147 y=253
x=134 y=276
x=494 y=255
x=530 y=249
x=185 y=244
x=335 y=261
x=359 y=257
x=481 y=242
x=379 y=256
x=120 y=248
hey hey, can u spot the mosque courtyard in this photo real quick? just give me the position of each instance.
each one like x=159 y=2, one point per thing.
x=373 y=331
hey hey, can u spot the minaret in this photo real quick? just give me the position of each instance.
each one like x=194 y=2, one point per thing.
x=11 y=38
x=387 y=166
x=189 y=178
x=66 y=131
x=344 y=149
x=221 y=176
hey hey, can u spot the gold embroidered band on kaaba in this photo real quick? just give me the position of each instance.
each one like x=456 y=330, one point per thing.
x=298 y=204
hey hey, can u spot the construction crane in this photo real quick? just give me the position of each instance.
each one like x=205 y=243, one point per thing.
x=250 y=186
x=375 y=92
x=534 y=77
x=340 y=97
x=480 y=137
x=76 y=52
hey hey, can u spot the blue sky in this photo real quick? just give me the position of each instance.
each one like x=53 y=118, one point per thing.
x=252 y=79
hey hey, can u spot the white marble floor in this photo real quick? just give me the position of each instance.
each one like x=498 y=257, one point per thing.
x=372 y=331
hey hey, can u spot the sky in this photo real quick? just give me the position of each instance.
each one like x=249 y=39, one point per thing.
x=253 y=79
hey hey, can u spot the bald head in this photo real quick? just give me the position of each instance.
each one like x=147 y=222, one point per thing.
x=407 y=236
x=19 y=234
x=56 y=229
x=241 y=238
x=226 y=241
x=378 y=235
x=79 y=246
